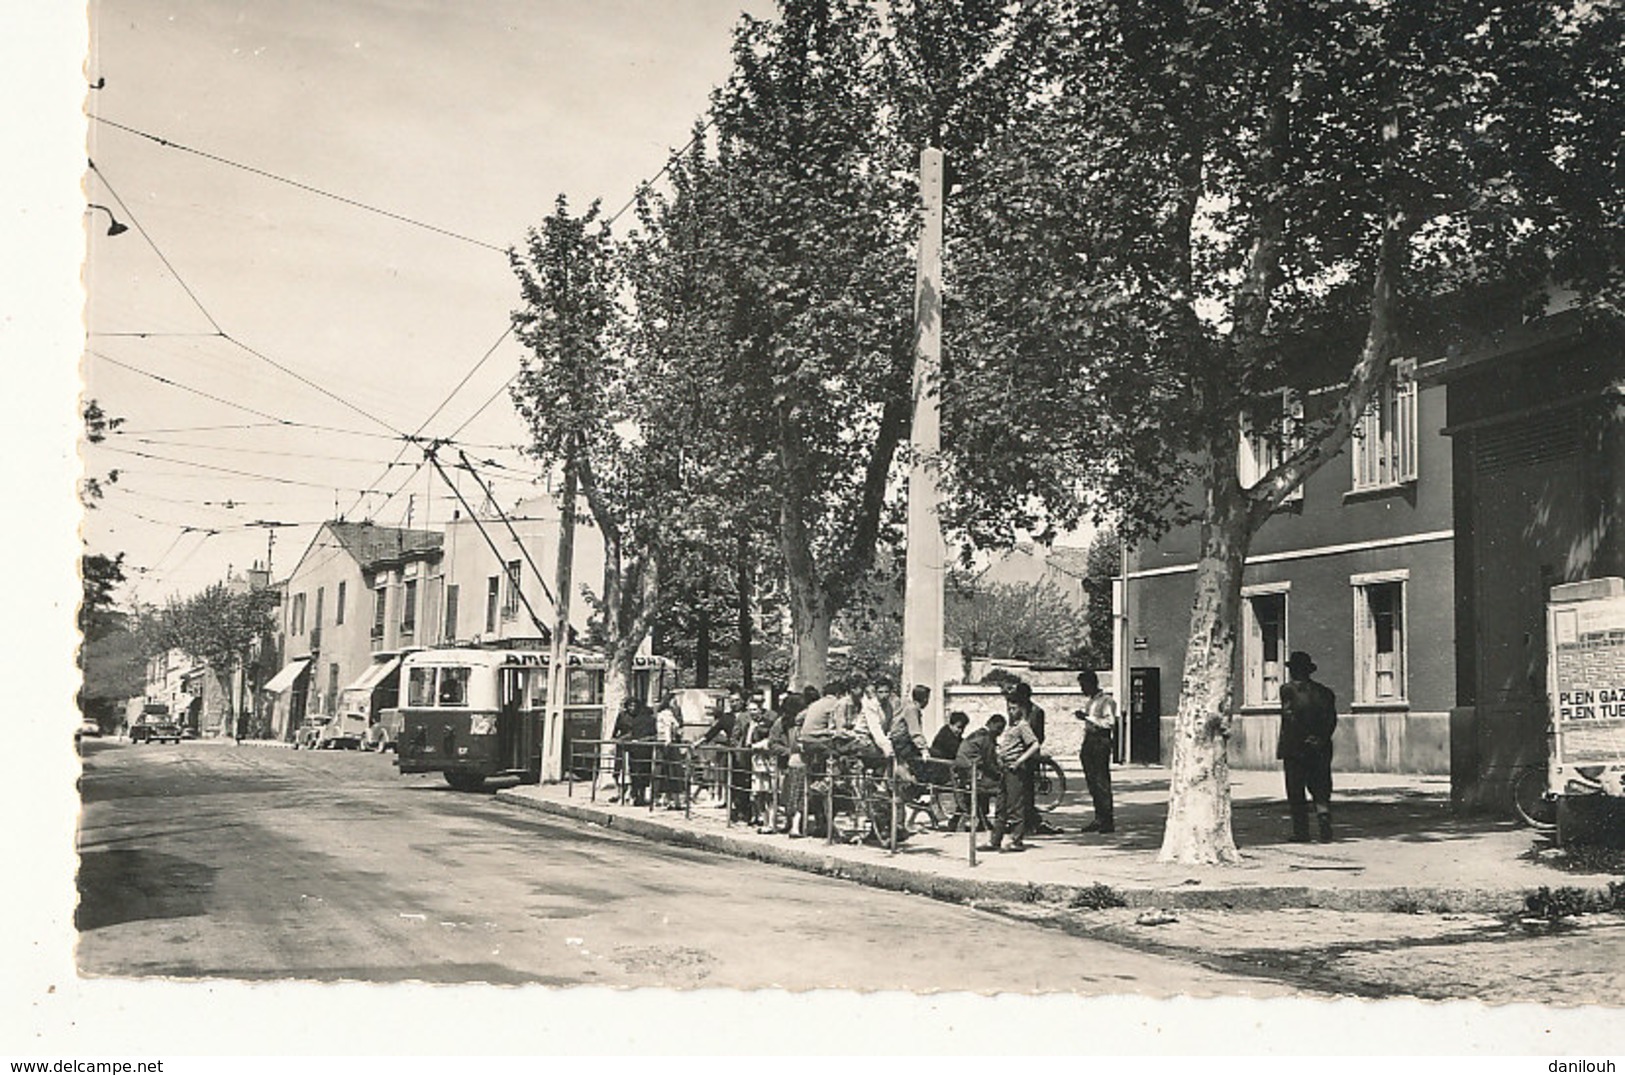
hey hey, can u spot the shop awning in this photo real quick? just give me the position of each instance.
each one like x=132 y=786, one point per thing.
x=285 y=678
x=375 y=674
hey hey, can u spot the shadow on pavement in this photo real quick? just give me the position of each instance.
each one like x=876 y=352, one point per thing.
x=133 y=885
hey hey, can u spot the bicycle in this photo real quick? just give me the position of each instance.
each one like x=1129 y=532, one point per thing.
x=1049 y=784
x=1530 y=800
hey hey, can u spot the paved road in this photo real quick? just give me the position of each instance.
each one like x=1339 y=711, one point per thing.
x=209 y=860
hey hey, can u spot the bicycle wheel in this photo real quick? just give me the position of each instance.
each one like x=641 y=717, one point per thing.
x=1529 y=799
x=1049 y=785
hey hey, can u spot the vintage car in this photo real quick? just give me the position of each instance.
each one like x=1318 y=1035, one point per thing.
x=309 y=734
x=149 y=731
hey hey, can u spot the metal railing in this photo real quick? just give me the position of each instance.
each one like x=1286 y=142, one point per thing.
x=856 y=796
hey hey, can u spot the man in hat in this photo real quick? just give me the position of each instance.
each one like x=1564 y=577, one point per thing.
x=1308 y=719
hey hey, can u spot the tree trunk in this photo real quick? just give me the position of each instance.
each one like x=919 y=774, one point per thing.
x=746 y=592
x=1198 y=830
x=702 y=647
x=809 y=654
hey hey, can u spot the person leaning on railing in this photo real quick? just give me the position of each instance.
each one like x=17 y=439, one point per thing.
x=668 y=755
x=637 y=753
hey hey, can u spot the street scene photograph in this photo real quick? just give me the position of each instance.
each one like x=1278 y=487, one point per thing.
x=954 y=514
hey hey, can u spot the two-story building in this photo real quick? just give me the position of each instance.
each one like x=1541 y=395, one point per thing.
x=1357 y=569
x=358 y=588
x=1415 y=567
x=363 y=594
x=491 y=593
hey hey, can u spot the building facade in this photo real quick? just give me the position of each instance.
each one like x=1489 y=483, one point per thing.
x=1415 y=568
x=346 y=598
x=491 y=593
x=1357 y=569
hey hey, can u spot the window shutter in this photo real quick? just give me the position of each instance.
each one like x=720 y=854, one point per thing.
x=1291 y=433
x=1365 y=644
x=1405 y=440
x=1253 y=656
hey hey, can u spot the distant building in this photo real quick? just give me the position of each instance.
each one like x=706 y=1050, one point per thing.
x=198 y=697
x=1029 y=564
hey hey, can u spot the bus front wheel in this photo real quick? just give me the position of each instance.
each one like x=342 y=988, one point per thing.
x=465 y=781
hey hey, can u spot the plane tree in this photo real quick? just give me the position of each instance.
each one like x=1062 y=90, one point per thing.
x=577 y=396
x=811 y=236
x=1200 y=188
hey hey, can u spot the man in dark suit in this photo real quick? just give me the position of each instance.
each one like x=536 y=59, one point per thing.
x=1308 y=719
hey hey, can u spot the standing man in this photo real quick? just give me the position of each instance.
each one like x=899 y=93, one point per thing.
x=908 y=731
x=1099 y=716
x=1020 y=701
x=1308 y=719
x=1018 y=752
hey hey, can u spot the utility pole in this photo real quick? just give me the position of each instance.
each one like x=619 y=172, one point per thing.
x=558 y=671
x=926 y=563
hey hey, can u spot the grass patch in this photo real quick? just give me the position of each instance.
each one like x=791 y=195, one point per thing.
x=1554 y=903
x=1096 y=898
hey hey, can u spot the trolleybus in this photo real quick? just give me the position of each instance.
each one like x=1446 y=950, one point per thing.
x=477 y=712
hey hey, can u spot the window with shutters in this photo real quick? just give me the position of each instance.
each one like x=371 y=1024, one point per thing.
x=1379 y=638
x=1383 y=448
x=409 y=606
x=380 y=601
x=451 y=613
x=1264 y=645
x=1272 y=430
x=510 y=601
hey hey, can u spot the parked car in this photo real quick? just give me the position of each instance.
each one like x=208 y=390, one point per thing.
x=87 y=728
x=156 y=732
x=309 y=733
x=384 y=731
x=342 y=731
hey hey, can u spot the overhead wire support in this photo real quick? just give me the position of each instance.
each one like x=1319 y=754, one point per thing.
x=412 y=438
x=429 y=451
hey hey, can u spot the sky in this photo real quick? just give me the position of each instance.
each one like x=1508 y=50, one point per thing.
x=467 y=119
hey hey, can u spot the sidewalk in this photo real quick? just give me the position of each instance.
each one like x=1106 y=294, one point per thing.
x=1399 y=848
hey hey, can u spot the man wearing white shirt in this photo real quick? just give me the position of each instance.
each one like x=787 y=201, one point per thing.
x=1099 y=716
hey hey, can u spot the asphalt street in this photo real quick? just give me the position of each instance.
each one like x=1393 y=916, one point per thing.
x=211 y=860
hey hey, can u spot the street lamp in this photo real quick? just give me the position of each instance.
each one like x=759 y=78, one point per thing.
x=113 y=228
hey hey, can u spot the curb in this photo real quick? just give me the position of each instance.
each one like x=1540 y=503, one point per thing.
x=1406 y=899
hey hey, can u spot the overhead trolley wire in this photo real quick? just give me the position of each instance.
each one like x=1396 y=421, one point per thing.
x=230 y=470
x=301 y=378
x=306 y=187
x=134 y=220
x=233 y=403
